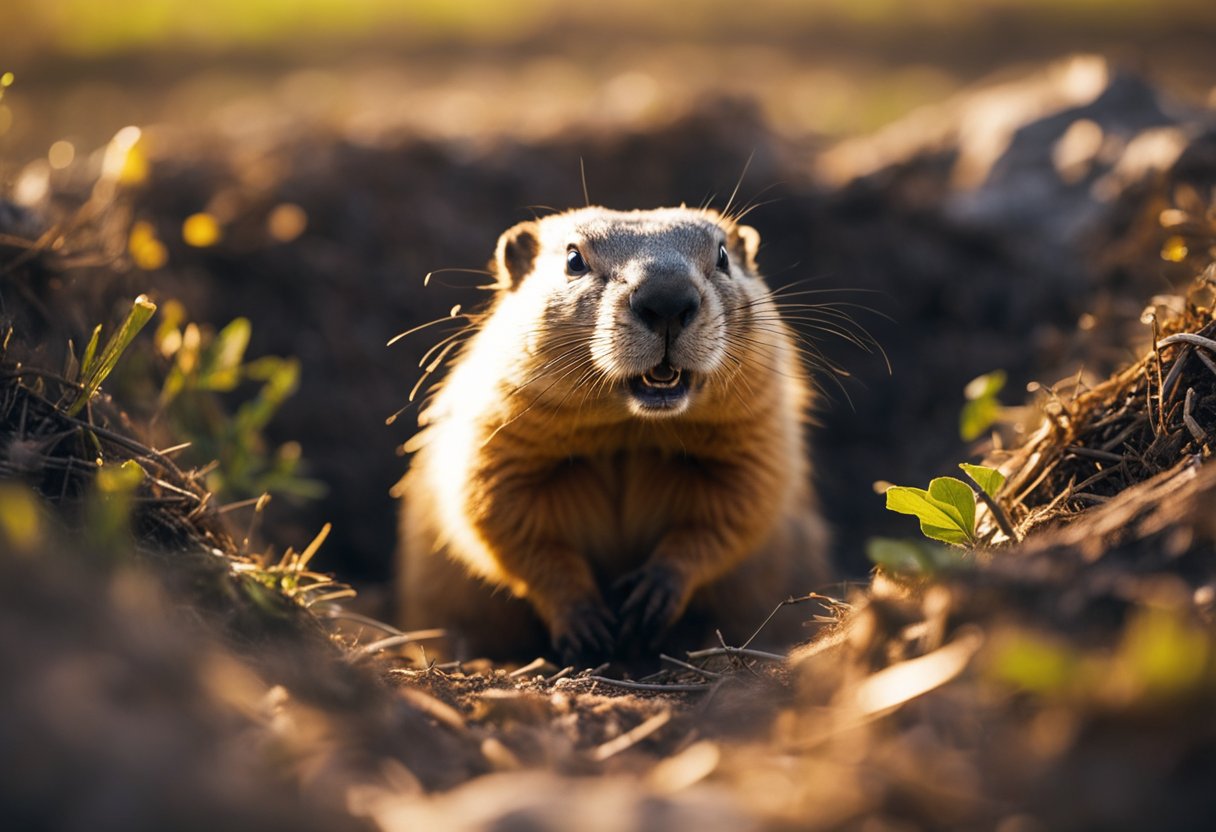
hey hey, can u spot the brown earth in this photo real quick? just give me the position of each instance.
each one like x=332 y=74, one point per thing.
x=1061 y=682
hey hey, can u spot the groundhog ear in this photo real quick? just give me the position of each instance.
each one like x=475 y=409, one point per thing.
x=745 y=240
x=517 y=250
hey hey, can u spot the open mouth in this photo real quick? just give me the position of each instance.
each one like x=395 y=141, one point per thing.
x=661 y=388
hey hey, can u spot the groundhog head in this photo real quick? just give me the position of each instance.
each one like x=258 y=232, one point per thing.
x=649 y=310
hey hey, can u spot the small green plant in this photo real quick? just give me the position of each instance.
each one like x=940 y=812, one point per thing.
x=206 y=366
x=1162 y=656
x=982 y=409
x=21 y=521
x=267 y=582
x=112 y=502
x=912 y=557
x=93 y=369
x=946 y=509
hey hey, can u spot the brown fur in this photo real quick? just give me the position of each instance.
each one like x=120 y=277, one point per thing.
x=544 y=502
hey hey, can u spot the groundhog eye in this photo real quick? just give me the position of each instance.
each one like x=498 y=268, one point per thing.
x=723 y=259
x=575 y=264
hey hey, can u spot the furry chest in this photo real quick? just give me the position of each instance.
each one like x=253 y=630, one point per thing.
x=614 y=508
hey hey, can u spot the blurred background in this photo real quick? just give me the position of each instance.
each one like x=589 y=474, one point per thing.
x=302 y=164
x=533 y=67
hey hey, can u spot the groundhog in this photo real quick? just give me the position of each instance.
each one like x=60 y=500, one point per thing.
x=616 y=461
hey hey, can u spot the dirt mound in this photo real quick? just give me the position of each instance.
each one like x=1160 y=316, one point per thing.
x=1150 y=418
x=163 y=673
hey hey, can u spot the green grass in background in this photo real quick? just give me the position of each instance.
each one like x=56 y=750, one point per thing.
x=85 y=28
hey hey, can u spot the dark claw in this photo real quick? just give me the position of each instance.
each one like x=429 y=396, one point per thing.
x=587 y=634
x=656 y=593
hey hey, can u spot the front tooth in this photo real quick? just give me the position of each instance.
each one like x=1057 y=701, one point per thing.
x=671 y=382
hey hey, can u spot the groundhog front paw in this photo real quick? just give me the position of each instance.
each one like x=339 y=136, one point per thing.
x=656 y=595
x=583 y=633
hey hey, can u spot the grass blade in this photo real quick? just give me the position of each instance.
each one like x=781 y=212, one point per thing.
x=98 y=369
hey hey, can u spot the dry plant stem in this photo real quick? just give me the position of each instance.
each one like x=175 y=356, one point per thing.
x=1123 y=435
x=1171 y=378
x=1160 y=426
x=362 y=619
x=530 y=667
x=237 y=505
x=630 y=738
x=1098 y=477
x=398 y=640
x=813 y=596
x=1111 y=418
x=1193 y=426
x=1207 y=361
x=142 y=451
x=21 y=372
x=658 y=688
x=735 y=660
x=1188 y=338
x=737 y=651
x=1094 y=453
x=999 y=514
x=708 y=674
x=32 y=249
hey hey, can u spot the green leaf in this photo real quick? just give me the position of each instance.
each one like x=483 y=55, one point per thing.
x=20 y=519
x=918 y=557
x=916 y=501
x=111 y=504
x=221 y=363
x=940 y=517
x=98 y=369
x=281 y=378
x=172 y=314
x=989 y=479
x=1033 y=663
x=90 y=352
x=959 y=499
x=71 y=364
x=982 y=408
x=985 y=386
x=123 y=478
x=1165 y=652
x=976 y=417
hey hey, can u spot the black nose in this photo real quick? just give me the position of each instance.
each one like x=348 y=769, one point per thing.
x=666 y=307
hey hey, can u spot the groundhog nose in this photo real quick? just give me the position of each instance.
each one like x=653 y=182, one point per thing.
x=665 y=307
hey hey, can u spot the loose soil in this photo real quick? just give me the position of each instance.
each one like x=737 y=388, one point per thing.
x=171 y=672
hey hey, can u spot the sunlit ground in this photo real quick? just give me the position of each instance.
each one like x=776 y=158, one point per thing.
x=261 y=169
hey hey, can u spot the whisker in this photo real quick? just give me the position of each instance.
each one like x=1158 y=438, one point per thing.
x=738 y=374
x=837 y=307
x=747 y=207
x=828 y=324
x=858 y=335
x=834 y=375
x=739 y=183
x=807 y=351
x=555 y=365
x=420 y=327
x=483 y=272
x=529 y=407
x=432 y=367
x=446 y=339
